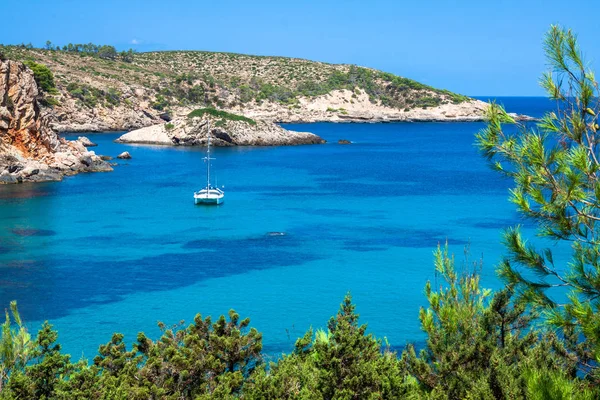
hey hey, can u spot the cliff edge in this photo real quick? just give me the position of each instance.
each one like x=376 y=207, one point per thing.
x=29 y=149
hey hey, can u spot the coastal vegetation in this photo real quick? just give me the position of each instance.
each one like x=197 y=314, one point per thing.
x=519 y=342
x=43 y=77
x=91 y=96
x=223 y=115
x=171 y=80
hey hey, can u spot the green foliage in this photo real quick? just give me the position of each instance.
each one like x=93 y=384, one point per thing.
x=220 y=114
x=205 y=360
x=15 y=344
x=43 y=77
x=160 y=103
x=555 y=168
x=127 y=56
x=91 y=96
x=479 y=345
x=108 y=52
x=342 y=363
x=169 y=126
x=50 y=101
x=555 y=385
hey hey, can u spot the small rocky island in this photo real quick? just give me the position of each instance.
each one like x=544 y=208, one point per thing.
x=30 y=151
x=226 y=130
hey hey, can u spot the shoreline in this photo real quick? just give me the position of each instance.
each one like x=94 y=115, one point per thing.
x=519 y=118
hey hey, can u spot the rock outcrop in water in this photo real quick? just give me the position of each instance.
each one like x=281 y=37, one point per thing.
x=29 y=149
x=224 y=132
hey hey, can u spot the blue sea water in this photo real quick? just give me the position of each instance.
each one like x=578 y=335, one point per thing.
x=117 y=252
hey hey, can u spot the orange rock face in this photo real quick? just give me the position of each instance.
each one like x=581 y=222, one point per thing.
x=22 y=125
x=29 y=149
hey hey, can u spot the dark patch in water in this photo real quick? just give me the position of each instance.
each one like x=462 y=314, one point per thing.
x=266 y=242
x=173 y=183
x=9 y=244
x=19 y=192
x=55 y=286
x=117 y=240
x=362 y=248
x=323 y=211
x=499 y=224
x=492 y=223
x=377 y=238
x=26 y=232
x=273 y=189
x=416 y=240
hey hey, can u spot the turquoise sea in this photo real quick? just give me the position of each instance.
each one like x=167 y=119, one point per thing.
x=117 y=252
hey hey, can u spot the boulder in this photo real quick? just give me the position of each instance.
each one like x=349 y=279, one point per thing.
x=165 y=116
x=344 y=141
x=124 y=155
x=86 y=142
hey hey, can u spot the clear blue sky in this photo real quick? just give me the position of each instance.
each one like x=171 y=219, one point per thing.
x=478 y=47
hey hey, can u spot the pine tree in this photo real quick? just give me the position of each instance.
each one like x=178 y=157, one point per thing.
x=555 y=170
x=479 y=344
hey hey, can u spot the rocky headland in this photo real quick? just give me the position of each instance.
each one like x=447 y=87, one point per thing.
x=30 y=151
x=225 y=130
x=93 y=93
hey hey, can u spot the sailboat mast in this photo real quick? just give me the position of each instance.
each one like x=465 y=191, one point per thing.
x=208 y=160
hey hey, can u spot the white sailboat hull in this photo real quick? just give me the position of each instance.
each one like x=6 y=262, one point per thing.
x=209 y=196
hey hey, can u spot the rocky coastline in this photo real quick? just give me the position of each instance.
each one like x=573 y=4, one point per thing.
x=30 y=150
x=338 y=107
x=92 y=94
x=193 y=131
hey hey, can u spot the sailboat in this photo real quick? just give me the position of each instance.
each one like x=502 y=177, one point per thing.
x=210 y=194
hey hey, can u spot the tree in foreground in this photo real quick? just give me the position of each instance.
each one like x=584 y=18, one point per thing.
x=555 y=170
x=343 y=362
x=481 y=345
x=15 y=344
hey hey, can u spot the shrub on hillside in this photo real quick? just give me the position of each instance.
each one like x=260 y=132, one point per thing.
x=43 y=77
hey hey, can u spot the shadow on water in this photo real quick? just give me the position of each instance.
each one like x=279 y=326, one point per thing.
x=50 y=288
x=26 y=232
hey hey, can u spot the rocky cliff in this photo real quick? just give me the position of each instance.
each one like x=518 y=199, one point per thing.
x=225 y=130
x=29 y=149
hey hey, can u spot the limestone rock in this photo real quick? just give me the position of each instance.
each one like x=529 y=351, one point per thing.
x=124 y=155
x=29 y=149
x=344 y=141
x=86 y=142
x=224 y=132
